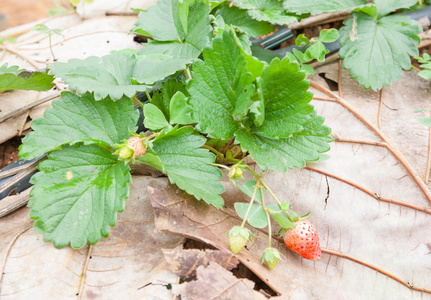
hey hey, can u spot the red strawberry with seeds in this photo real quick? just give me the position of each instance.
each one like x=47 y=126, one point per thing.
x=303 y=239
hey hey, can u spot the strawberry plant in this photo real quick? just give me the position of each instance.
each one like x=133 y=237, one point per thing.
x=212 y=105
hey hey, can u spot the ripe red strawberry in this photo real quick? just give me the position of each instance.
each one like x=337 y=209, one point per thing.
x=136 y=143
x=303 y=239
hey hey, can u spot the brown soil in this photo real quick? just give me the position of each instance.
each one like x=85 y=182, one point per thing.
x=9 y=151
x=26 y=11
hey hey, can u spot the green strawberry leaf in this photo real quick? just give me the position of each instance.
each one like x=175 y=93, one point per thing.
x=385 y=7
x=264 y=54
x=241 y=20
x=254 y=66
x=77 y=195
x=161 y=21
x=151 y=69
x=376 y=51
x=281 y=219
x=163 y=100
x=12 y=69
x=183 y=32
x=316 y=51
x=266 y=10
x=291 y=132
x=76 y=119
x=189 y=166
x=248 y=189
x=13 y=78
x=321 y=6
x=256 y=216
x=329 y=35
x=425 y=120
x=179 y=110
x=154 y=118
x=284 y=90
x=221 y=88
x=281 y=154
x=110 y=75
x=173 y=49
x=302 y=39
x=425 y=74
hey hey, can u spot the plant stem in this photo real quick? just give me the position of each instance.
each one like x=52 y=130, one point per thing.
x=137 y=100
x=50 y=47
x=220 y=155
x=249 y=206
x=219 y=165
x=275 y=198
x=148 y=95
x=188 y=74
x=151 y=136
x=253 y=172
x=269 y=219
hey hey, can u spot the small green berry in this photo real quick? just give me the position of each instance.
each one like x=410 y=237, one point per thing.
x=125 y=153
x=235 y=172
x=238 y=238
x=271 y=257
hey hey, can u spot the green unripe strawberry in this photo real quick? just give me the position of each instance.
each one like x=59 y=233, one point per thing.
x=238 y=238
x=235 y=172
x=271 y=256
x=125 y=153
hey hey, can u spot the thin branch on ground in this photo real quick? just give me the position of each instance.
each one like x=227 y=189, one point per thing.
x=10 y=249
x=395 y=152
x=379 y=112
x=341 y=140
x=340 y=67
x=28 y=107
x=428 y=167
x=22 y=56
x=370 y=193
x=84 y=272
x=393 y=277
x=324 y=99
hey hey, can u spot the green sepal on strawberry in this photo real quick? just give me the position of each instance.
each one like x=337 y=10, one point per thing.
x=238 y=238
x=271 y=257
x=304 y=240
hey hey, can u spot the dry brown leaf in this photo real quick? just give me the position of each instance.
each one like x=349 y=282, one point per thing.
x=184 y=262
x=215 y=283
x=129 y=264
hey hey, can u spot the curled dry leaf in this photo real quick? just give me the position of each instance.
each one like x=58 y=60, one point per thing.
x=184 y=262
x=129 y=264
x=215 y=282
